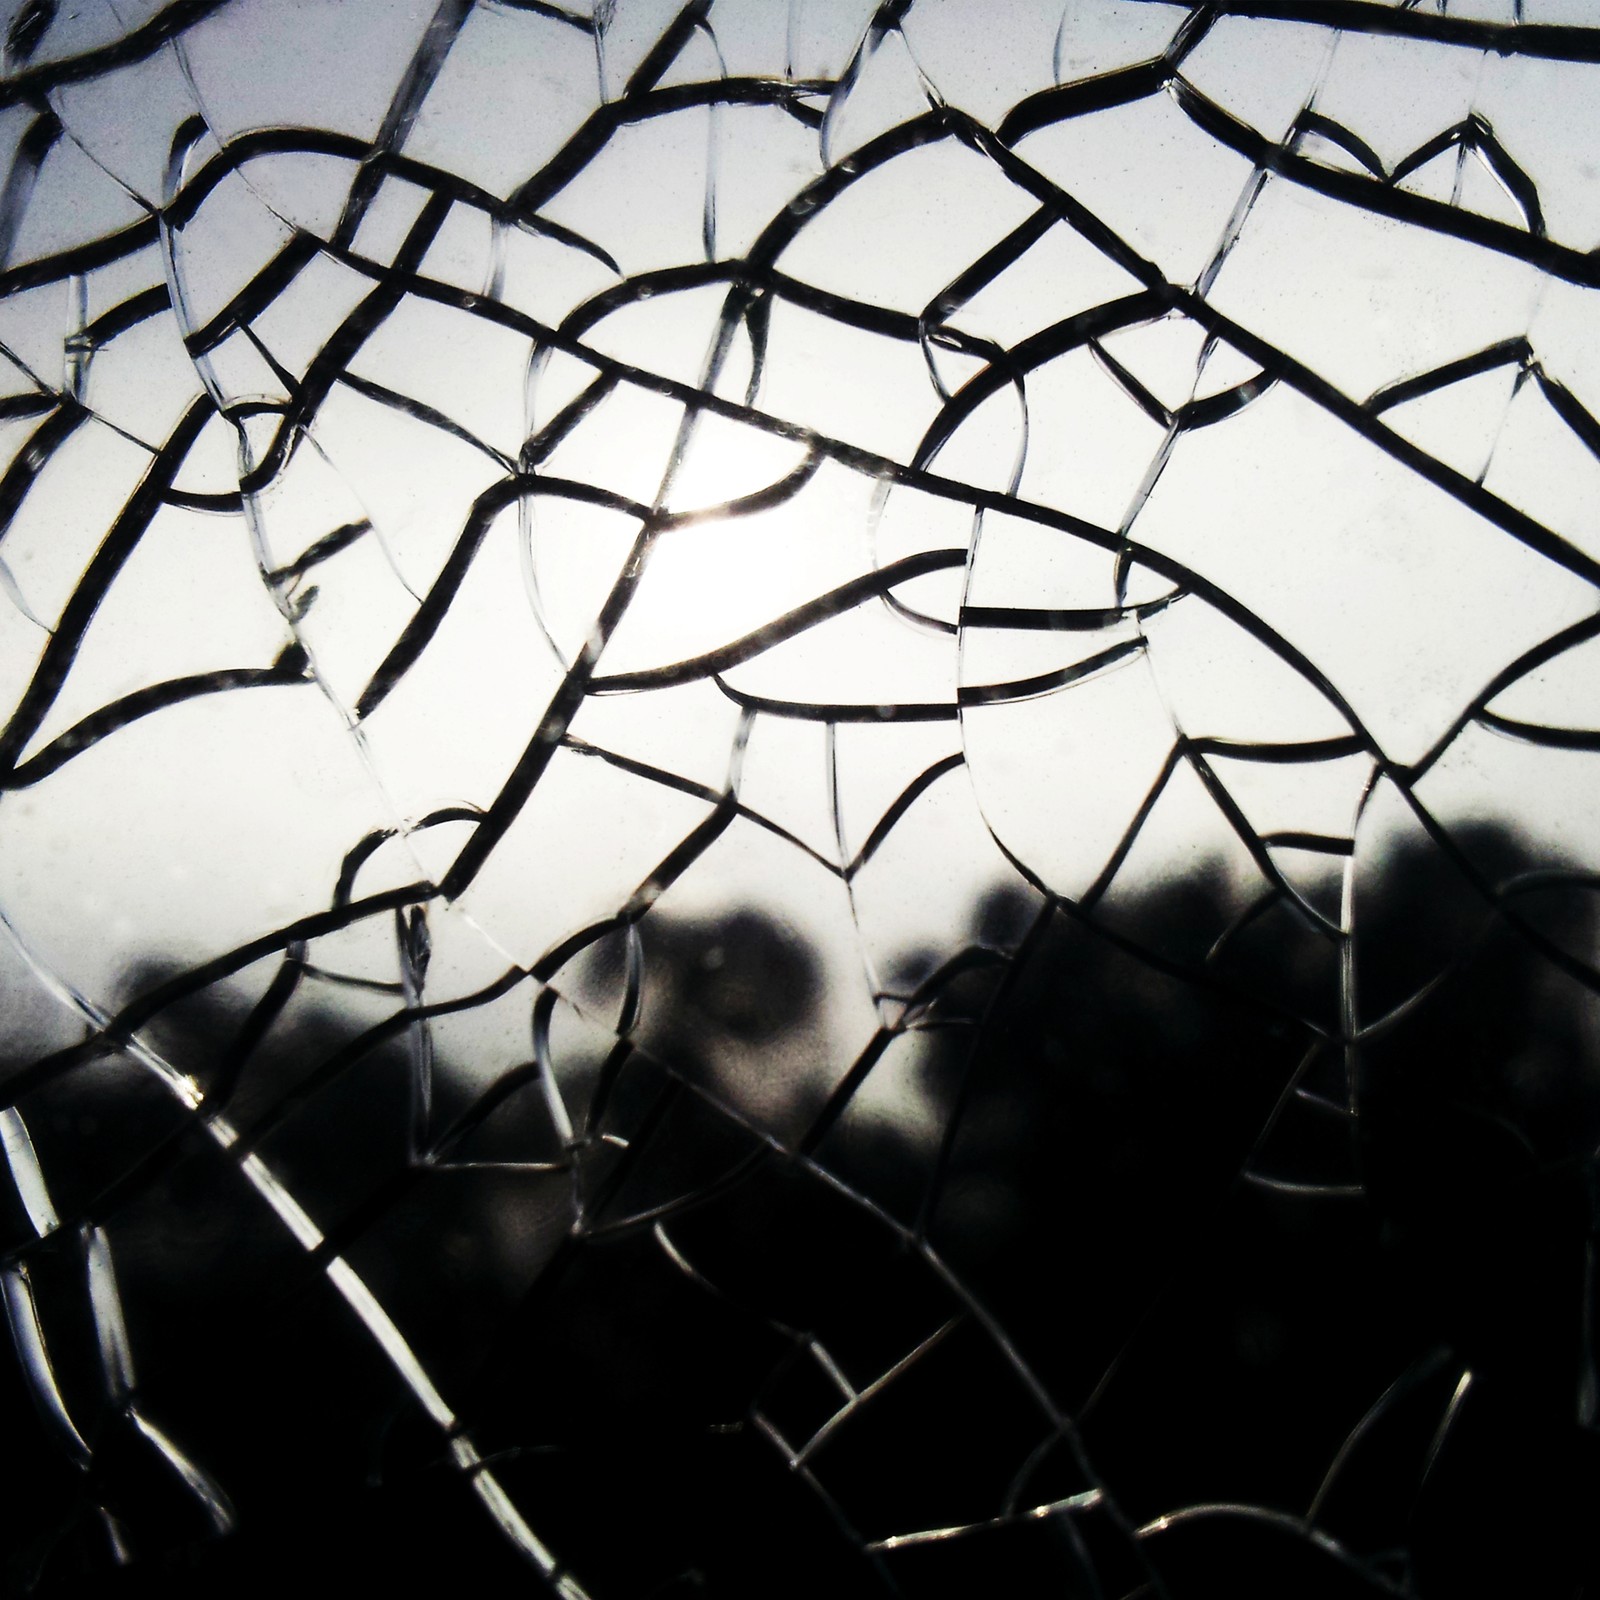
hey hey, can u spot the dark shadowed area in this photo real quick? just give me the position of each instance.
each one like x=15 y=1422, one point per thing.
x=1176 y=1261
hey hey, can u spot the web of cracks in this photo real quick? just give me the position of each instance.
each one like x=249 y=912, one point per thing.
x=597 y=1147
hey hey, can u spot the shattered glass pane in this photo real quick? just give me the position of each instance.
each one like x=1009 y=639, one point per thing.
x=798 y=800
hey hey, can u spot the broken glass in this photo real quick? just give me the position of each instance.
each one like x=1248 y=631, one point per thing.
x=797 y=799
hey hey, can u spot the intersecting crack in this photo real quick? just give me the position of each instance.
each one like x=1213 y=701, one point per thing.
x=795 y=800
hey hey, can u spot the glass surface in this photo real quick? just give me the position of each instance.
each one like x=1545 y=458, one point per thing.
x=798 y=798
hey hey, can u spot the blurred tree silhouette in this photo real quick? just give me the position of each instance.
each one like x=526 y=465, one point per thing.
x=1325 y=1305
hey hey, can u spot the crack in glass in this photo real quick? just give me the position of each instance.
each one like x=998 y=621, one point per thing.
x=796 y=799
